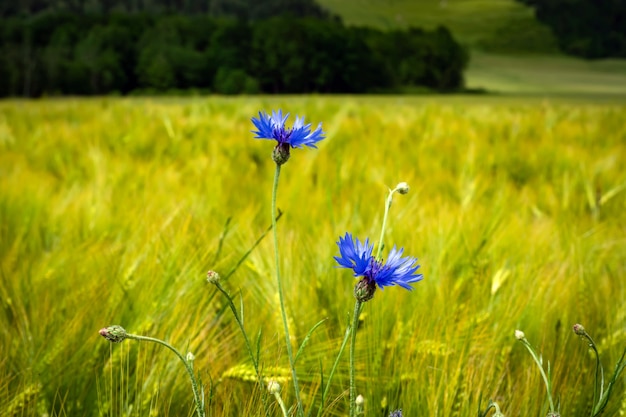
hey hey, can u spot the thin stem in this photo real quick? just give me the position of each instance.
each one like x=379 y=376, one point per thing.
x=249 y=251
x=353 y=331
x=280 y=294
x=243 y=330
x=281 y=403
x=599 y=368
x=333 y=369
x=382 y=230
x=194 y=383
x=543 y=373
x=255 y=363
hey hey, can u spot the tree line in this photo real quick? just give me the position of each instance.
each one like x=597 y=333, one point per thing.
x=241 y=9
x=58 y=53
x=586 y=28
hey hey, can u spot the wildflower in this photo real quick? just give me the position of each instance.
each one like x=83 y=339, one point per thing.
x=114 y=334
x=273 y=127
x=519 y=335
x=397 y=413
x=357 y=256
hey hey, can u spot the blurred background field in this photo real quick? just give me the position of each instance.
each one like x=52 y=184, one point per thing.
x=126 y=47
x=113 y=209
x=511 y=51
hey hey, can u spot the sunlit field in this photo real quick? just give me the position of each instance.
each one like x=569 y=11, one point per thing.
x=113 y=210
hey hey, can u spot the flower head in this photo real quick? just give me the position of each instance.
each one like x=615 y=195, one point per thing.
x=396 y=413
x=519 y=335
x=299 y=135
x=357 y=255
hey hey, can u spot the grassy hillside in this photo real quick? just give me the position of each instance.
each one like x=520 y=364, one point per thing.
x=547 y=75
x=112 y=210
x=511 y=51
x=494 y=25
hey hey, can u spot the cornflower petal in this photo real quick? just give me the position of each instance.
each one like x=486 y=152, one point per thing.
x=354 y=255
x=273 y=127
x=278 y=119
x=264 y=125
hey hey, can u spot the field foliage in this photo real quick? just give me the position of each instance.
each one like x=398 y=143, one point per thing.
x=112 y=211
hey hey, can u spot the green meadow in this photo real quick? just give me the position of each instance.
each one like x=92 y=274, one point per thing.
x=112 y=211
x=511 y=52
x=486 y=24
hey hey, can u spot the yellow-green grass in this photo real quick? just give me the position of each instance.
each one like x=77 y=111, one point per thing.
x=112 y=210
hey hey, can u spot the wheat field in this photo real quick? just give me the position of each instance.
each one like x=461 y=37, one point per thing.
x=112 y=211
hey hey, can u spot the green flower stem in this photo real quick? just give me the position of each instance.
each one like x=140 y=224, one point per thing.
x=280 y=294
x=382 y=230
x=543 y=373
x=243 y=330
x=280 y=402
x=353 y=330
x=358 y=305
x=249 y=251
x=332 y=371
x=599 y=369
x=255 y=363
x=197 y=396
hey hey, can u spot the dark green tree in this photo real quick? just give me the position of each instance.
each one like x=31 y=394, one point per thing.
x=586 y=28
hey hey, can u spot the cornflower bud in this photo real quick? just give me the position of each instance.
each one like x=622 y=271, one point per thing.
x=402 y=188
x=114 y=334
x=359 y=402
x=273 y=387
x=212 y=277
x=579 y=329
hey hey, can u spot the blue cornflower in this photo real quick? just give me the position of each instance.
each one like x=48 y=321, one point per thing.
x=396 y=413
x=357 y=256
x=273 y=127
